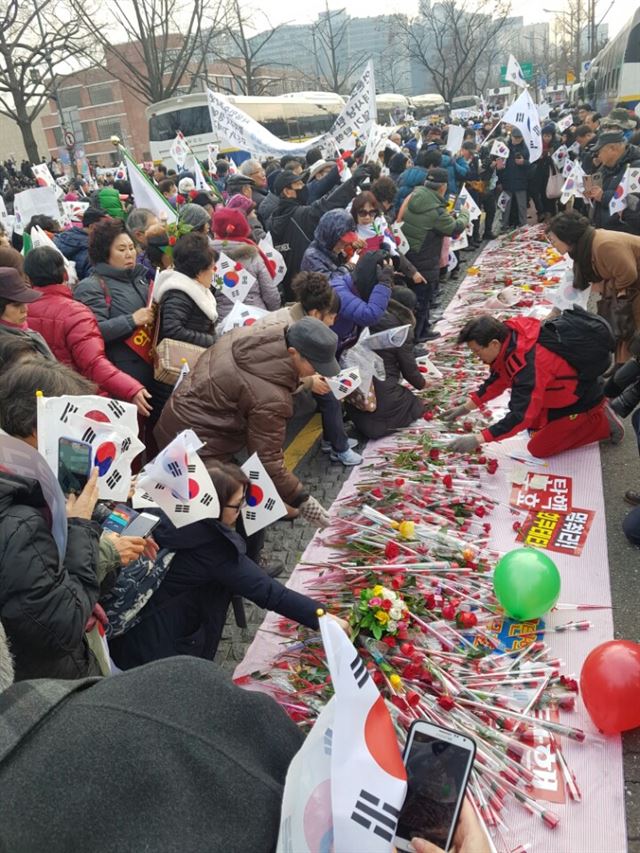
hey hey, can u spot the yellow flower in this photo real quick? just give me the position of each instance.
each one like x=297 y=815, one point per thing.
x=377 y=590
x=473 y=270
x=395 y=681
x=395 y=524
x=382 y=617
x=407 y=530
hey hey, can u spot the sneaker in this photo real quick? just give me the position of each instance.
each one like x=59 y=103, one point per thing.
x=347 y=457
x=327 y=447
x=615 y=425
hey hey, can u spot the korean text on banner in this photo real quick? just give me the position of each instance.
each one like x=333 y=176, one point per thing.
x=360 y=112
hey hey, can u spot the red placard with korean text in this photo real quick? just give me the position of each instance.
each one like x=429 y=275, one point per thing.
x=564 y=532
x=542 y=492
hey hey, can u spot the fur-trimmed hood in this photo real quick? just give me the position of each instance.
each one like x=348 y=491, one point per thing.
x=202 y=296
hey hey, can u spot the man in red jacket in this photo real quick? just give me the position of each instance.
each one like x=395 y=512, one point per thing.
x=71 y=329
x=548 y=397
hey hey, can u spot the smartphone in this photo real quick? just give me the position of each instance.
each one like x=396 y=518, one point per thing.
x=74 y=464
x=438 y=763
x=143 y=525
x=119 y=517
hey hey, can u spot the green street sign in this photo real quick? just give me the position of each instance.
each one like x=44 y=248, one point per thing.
x=527 y=71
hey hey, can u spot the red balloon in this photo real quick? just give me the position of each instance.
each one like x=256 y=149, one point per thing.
x=610 y=686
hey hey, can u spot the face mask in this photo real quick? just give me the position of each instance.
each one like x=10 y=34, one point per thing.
x=302 y=196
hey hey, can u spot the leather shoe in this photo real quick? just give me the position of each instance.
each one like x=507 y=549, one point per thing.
x=632 y=497
x=270 y=567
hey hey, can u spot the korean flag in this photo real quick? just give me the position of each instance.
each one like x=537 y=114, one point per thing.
x=264 y=504
x=500 y=150
x=266 y=244
x=200 y=503
x=114 y=447
x=346 y=382
x=241 y=316
x=232 y=280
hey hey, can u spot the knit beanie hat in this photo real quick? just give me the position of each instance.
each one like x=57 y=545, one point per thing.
x=230 y=224
x=194 y=215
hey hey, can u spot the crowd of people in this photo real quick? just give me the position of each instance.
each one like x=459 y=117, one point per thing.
x=89 y=313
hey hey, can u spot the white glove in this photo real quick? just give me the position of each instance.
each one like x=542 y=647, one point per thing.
x=314 y=513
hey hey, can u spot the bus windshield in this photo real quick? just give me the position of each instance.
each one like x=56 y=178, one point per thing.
x=190 y=120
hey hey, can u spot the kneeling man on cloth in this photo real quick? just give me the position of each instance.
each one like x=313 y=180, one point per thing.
x=553 y=370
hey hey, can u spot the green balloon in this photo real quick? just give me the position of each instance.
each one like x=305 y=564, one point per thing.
x=526 y=583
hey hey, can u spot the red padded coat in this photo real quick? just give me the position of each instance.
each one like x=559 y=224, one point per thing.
x=71 y=330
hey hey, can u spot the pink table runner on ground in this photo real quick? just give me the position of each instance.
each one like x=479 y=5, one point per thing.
x=597 y=825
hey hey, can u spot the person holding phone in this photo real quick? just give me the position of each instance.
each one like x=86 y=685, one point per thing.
x=469 y=837
x=514 y=179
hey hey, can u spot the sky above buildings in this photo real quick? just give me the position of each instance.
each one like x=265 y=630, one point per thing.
x=279 y=12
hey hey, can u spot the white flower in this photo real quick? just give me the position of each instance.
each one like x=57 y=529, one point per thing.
x=388 y=595
x=395 y=613
x=392 y=626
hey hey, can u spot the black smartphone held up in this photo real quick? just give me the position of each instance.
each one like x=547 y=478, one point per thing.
x=74 y=465
x=143 y=525
x=119 y=517
x=438 y=763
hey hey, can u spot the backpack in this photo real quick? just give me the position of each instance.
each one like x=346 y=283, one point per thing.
x=584 y=340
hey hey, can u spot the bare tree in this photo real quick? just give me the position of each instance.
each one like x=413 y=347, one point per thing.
x=242 y=52
x=334 y=60
x=28 y=56
x=451 y=39
x=165 y=47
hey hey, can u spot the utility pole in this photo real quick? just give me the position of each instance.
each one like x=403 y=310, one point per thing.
x=578 y=39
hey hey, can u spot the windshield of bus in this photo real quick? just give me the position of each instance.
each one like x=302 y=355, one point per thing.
x=193 y=121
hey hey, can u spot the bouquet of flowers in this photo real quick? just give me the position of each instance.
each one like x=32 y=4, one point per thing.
x=380 y=612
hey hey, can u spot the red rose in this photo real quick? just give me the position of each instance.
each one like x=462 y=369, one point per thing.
x=386 y=604
x=428 y=416
x=446 y=703
x=448 y=481
x=422 y=368
x=399 y=481
x=516 y=526
x=180 y=199
x=429 y=601
x=391 y=550
x=172 y=240
x=434 y=454
x=397 y=582
x=480 y=511
x=238 y=267
x=413 y=698
x=376 y=493
x=448 y=612
x=390 y=641
x=378 y=678
x=193 y=194
x=407 y=649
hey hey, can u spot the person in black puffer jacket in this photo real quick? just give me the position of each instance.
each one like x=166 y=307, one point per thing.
x=46 y=597
x=187 y=614
x=187 y=307
x=117 y=291
x=397 y=406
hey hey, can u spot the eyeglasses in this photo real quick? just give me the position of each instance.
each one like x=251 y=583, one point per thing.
x=368 y=212
x=237 y=507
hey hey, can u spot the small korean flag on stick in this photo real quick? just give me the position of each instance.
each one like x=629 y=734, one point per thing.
x=401 y=241
x=240 y=316
x=170 y=468
x=266 y=244
x=232 y=279
x=559 y=157
x=565 y=123
x=346 y=382
x=346 y=785
x=264 y=504
x=499 y=149
x=201 y=500
x=114 y=447
x=54 y=420
x=179 y=150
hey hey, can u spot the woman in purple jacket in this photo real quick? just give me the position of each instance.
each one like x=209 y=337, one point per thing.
x=362 y=303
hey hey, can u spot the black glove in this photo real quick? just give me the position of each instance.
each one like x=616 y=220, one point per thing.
x=361 y=175
x=385 y=274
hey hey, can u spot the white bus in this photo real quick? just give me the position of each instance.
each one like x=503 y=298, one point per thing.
x=424 y=106
x=613 y=78
x=293 y=117
x=392 y=109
